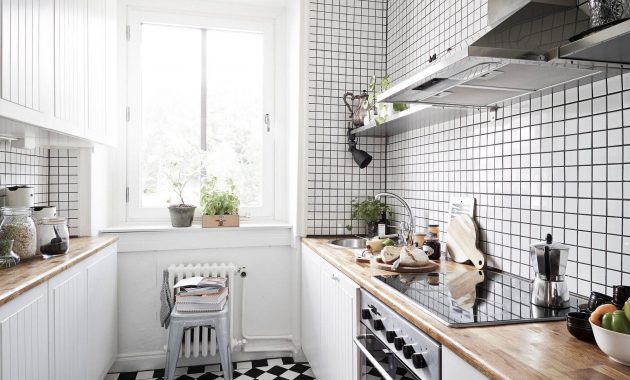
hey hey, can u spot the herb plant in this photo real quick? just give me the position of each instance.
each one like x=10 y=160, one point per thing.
x=219 y=202
x=369 y=210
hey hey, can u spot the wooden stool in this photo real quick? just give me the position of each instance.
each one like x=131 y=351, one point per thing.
x=180 y=322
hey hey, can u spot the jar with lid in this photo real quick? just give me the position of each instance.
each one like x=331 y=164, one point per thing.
x=432 y=240
x=53 y=236
x=17 y=225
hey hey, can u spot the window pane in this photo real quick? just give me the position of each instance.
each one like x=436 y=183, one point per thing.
x=235 y=111
x=171 y=109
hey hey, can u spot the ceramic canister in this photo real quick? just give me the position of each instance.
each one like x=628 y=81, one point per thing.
x=40 y=212
x=19 y=196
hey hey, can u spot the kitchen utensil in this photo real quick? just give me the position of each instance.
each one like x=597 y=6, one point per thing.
x=463 y=287
x=613 y=344
x=606 y=11
x=356 y=107
x=377 y=263
x=621 y=294
x=596 y=299
x=549 y=261
x=461 y=241
x=462 y=205
x=19 y=196
x=579 y=326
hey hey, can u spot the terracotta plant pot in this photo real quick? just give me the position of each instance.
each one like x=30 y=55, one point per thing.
x=181 y=215
x=210 y=221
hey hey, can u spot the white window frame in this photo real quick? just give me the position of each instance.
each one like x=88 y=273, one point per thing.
x=266 y=26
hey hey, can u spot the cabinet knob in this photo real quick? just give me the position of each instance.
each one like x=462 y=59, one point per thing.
x=334 y=278
x=418 y=361
x=365 y=314
x=399 y=342
x=378 y=324
x=408 y=350
x=390 y=335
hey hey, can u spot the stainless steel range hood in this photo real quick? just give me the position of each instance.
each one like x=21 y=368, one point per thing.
x=525 y=48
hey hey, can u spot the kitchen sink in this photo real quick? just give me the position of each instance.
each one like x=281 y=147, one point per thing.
x=355 y=243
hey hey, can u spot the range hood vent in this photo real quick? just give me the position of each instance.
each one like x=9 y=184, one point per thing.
x=527 y=47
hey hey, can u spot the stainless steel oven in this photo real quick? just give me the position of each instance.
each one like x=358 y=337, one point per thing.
x=391 y=348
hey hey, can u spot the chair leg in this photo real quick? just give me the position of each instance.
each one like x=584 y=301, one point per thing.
x=225 y=351
x=175 y=334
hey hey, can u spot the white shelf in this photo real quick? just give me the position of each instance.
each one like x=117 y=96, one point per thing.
x=417 y=116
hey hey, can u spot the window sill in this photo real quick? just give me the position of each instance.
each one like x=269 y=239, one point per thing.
x=143 y=238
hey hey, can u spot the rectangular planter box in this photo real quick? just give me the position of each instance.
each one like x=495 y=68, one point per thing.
x=209 y=221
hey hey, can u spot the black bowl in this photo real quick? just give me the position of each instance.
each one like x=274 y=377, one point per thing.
x=621 y=294
x=579 y=326
x=596 y=299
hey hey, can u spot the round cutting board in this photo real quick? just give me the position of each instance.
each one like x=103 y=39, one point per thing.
x=428 y=267
x=461 y=241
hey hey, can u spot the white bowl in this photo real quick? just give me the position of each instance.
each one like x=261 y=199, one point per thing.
x=613 y=344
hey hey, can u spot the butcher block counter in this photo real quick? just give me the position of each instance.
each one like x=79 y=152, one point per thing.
x=542 y=350
x=30 y=273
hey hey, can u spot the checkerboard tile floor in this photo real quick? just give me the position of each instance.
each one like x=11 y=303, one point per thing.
x=266 y=369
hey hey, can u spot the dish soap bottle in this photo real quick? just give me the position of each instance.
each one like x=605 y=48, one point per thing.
x=383 y=224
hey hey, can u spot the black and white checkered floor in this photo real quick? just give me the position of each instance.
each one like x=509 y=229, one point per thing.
x=266 y=369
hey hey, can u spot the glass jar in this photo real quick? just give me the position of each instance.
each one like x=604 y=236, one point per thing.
x=432 y=240
x=17 y=225
x=53 y=238
x=8 y=258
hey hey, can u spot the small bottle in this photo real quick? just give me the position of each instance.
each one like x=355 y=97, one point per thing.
x=432 y=240
x=383 y=224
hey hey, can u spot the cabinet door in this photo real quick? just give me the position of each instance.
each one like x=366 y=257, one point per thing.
x=68 y=332
x=70 y=58
x=311 y=309
x=102 y=310
x=455 y=368
x=339 y=316
x=26 y=56
x=24 y=337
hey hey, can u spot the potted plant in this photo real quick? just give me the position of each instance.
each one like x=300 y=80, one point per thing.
x=220 y=207
x=369 y=210
x=179 y=176
x=383 y=110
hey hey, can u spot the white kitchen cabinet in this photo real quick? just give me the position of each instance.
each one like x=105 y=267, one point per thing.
x=26 y=54
x=102 y=311
x=455 y=368
x=329 y=318
x=67 y=313
x=65 y=328
x=24 y=336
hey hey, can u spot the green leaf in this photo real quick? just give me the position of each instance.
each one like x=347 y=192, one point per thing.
x=369 y=210
x=349 y=227
x=385 y=82
x=379 y=120
x=372 y=83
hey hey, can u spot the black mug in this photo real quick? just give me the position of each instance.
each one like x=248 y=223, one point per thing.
x=596 y=299
x=621 y=294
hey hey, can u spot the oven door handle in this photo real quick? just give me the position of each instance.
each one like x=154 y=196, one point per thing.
x=368 y=355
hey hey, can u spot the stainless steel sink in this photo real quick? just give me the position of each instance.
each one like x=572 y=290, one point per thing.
x=355 y=243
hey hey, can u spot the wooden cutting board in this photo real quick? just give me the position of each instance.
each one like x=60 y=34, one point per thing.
x=461 y=241
x=428 y=267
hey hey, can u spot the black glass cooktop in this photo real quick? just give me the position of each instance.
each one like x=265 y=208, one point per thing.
x=476 y=298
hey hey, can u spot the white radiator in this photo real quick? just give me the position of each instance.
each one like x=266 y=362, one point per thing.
x=201 y=341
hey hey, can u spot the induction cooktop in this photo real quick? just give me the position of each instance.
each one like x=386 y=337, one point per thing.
x=476 y=298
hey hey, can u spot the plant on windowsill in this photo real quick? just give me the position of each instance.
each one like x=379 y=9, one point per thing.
x=220 y=207
x=179 y=176
x=369 y=210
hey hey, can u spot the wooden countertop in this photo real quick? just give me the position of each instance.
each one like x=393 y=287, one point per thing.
x=542 y=350
x=28 y=274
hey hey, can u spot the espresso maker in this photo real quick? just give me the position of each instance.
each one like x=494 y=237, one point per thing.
x=549 y=260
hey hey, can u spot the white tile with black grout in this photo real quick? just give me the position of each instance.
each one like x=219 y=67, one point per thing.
x=264 y=369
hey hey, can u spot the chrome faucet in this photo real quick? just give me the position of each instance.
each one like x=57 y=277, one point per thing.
x=408 y=227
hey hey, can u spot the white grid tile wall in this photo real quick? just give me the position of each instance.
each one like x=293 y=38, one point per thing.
x=53 y=173
x=557 y=162
x=346 y=46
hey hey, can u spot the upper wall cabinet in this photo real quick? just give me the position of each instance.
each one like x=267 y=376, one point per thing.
x=59 y=66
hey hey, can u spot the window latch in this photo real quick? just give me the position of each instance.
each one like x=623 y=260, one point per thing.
x=268 y=122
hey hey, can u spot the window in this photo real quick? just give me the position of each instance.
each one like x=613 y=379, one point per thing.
x=200 y=92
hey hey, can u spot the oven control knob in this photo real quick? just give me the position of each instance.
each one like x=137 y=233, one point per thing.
x=418 y=361
x=408 y=350
x=365 y=314
x=378 y=325
x=399 y=342
x=390 y=335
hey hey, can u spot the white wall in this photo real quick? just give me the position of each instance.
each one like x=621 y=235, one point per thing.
x=269 y=286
